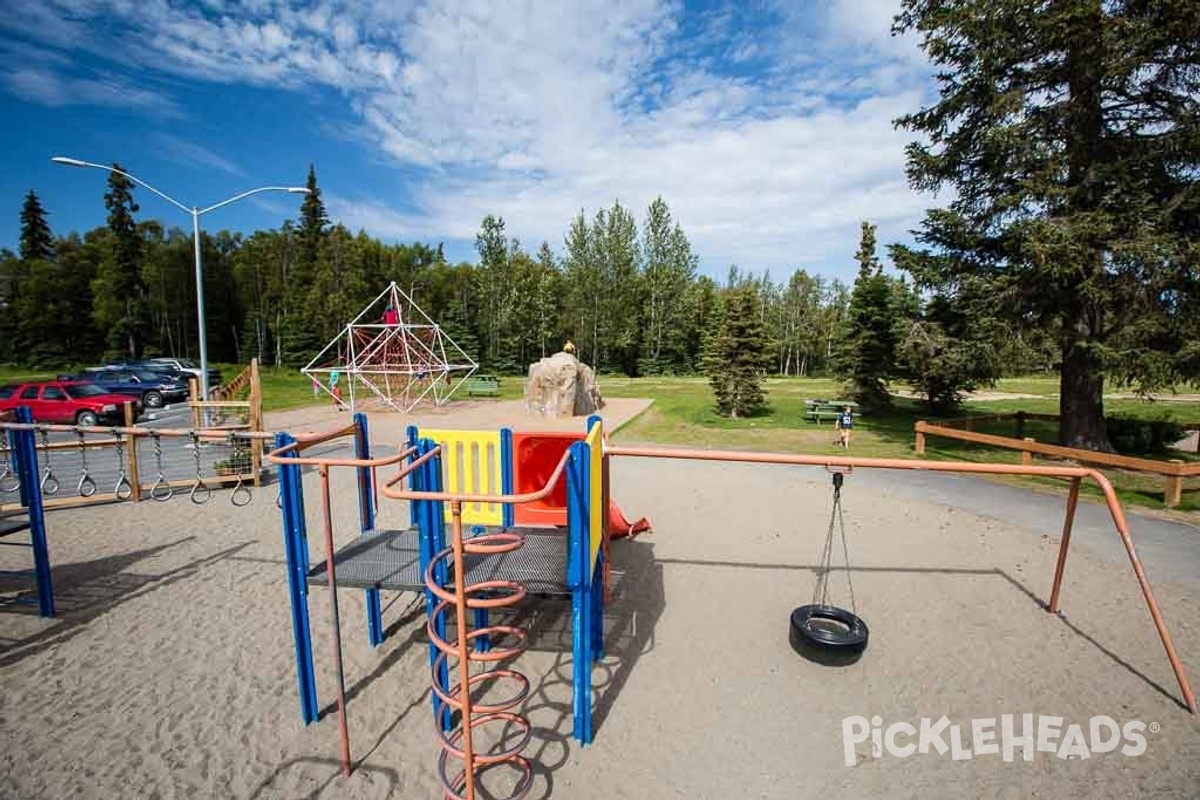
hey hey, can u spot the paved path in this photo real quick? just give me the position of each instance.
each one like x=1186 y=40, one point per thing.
x=1169 y=549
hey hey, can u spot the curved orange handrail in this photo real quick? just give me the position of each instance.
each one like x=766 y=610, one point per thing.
x=460 y=497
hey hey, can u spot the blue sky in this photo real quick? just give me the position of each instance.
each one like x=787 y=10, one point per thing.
x=766 y=126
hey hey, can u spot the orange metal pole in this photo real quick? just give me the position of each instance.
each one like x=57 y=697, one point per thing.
x=1114 y=506
x=335 y=629
x=1072 y=502
x=464 y=655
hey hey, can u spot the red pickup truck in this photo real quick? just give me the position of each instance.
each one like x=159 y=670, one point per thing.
x=68 y=402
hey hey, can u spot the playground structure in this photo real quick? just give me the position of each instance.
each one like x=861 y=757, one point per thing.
x=504 y=499
x=396 y=352
x=515 y=493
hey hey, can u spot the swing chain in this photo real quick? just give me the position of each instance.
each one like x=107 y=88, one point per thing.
x=200 y=491
x=87 y=486
x=124 y=489
x=240 y=490
x=49 y=483
x=821 y=591
x=9 y=482
x=161 y=491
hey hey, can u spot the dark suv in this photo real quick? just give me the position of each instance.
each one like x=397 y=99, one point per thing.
x=155 y=389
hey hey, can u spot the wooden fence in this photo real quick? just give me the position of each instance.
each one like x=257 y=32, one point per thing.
x=1173 y=471
x=222 y=403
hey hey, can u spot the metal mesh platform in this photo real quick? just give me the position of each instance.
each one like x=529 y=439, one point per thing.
x=387 y=559
x=390 y=559
x=13 y=524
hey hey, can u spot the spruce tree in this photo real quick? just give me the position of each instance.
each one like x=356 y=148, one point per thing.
x=1069 y=133
x=738 y=359
x=121 y=311
x=866 y=354
x=37 y=242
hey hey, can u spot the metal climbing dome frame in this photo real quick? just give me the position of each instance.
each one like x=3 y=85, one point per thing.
x=394 y=351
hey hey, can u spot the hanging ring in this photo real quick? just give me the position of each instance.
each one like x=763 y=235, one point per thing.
x=279 y=499
x=200 y=492
x=49 y=484
x=124 y=489
x=9 y=482
x=86 y=487
x=241 y=490
x=161 y=490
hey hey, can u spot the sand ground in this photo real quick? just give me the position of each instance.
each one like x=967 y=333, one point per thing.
x=169 y=672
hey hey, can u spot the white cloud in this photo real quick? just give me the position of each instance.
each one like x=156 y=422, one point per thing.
x=182 y=150
x=40 y=84
x=769 y=131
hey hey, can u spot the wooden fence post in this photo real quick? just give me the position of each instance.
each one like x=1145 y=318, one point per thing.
x=1173 y=494
x=193 y=393
x=131 y=442
x=1026 y=456
x=256 y=421
x=920 y=428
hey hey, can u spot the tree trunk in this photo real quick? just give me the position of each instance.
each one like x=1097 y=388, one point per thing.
x=1081 y=400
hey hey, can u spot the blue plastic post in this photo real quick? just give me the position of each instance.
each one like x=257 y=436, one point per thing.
x=507 y=468
x=429 y=523
x=413 y=436
x=366 y=521
x=577 y=542
x=31 y=496
x=292 y=500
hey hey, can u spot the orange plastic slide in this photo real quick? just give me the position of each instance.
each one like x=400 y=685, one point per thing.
x=621 y=527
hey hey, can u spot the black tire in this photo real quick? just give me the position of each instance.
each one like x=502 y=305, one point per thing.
x=828 y=635
x=86 y=419
x=153 y=400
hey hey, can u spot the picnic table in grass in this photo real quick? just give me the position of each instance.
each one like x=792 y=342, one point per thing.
x=820 y=410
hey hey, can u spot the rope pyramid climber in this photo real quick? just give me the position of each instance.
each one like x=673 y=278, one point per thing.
x=395 y=351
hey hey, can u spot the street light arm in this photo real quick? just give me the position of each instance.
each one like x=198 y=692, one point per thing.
x=235 y=198
x=74 y=162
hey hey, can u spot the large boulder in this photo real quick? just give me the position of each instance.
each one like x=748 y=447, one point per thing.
x=562 y=386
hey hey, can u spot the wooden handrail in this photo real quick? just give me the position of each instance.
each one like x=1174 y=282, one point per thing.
x=1058 y=451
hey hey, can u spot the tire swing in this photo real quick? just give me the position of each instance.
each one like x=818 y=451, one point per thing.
x=820 y=632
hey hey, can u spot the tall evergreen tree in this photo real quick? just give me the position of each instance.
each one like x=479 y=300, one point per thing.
x=866 y=355
x=300 y=339
x=121 y=311
x=37 y=242
x=1070 y=132
x=738 y=359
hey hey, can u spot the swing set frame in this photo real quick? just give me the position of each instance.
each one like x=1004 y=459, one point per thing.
x=1075 y=474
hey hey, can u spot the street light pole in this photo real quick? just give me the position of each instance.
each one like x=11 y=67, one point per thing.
x=202 y=330
x=195 y=213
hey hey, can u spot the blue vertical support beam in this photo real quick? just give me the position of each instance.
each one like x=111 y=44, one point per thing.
x=296 y=550
x=427 y=478
x=366 y=522
x=413 y=435
x=507 y=473
x=25 y=444
x=578 y=537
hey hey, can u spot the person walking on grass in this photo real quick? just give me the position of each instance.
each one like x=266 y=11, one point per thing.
x=845 y=424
